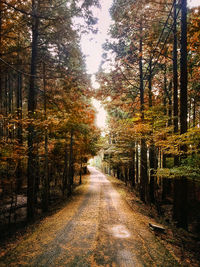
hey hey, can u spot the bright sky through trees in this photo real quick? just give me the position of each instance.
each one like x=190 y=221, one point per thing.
x=101 y=114
x=193 y=3
x=92 y=44
x=92 y=48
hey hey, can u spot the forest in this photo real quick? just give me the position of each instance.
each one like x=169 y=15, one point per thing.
x=151 y=92
x=47 y=121
x=149 y=84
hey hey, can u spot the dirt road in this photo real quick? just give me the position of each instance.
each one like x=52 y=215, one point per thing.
x=97 y=228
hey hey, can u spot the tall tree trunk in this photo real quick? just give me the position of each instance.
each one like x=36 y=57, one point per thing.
x=6 y=105
x=194 y=112
x=31 y=173
x=175 y=109
x=143 y=155
x=6 y=97
x=126 y=175
x=1 y=13
x=10 y=95
x=19 y=129
x=19 y=106
x=71 y=164
x=163 y=155
x=65 y=183
x=153 y=167
x=80 y=177
x=136 y=164
x=170 y=104
x=118 y=172
x=152 y=155
x=175 y=79
x=182 y=214
x=45 y=183
x=150 y=82
x=183 y=66
x=166 y=183
x=165 y=90
x=132 y=168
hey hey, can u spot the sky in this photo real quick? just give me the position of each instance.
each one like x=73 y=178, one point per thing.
x=92 y=44
x=92 y=47
x=193 y=3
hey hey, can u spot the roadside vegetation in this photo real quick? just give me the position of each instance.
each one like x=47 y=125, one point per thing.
x=47 y=121
x=151 y=93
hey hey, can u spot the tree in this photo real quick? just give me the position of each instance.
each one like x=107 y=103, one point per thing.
x=143 y=130
x=37 y=53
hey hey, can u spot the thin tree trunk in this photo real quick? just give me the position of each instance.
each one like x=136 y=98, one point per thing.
x=45 y=190
x=152 y=147
x=132 y=168
x=152 y=171
x=136 y=164
x=19 y=178
x=31 y=173
x=65 y=173
x=1 y=78
x=6 y=97
x=166 y=183
x=19 y=129
x=175 y=79
x=143 y=155
x=183 y=66
x=80 y=178
x=182 y=190
x=1 y=95
x=9 y=94
x=118 y=173
x=150 y=82
x=71 y=167
x=126 y=175
x=163 y=165
x=170 y=104
x=194 y=112
x=6 y=106
x=165 y=90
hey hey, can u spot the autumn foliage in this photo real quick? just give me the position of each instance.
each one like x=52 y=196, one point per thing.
x=153 y=121
x=47 y=121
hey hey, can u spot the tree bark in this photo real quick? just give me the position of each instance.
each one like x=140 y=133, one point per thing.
x=150 y=82
x=132 y=168
x=175 y=79
x=143 y=155
x=19 y=129
x=183 y=66
x=163 y=155
x=194 y=112
x=65 y=173
x=80 y=177
x=170 y=104
x=182 y=190
x=71 y=167
x=31 y=173
x=152 y=154
x=1 y=104
x=136 y=164
x=45 y=183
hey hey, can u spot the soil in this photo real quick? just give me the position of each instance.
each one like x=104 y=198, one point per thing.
x=103 y=224
x=182 y=244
